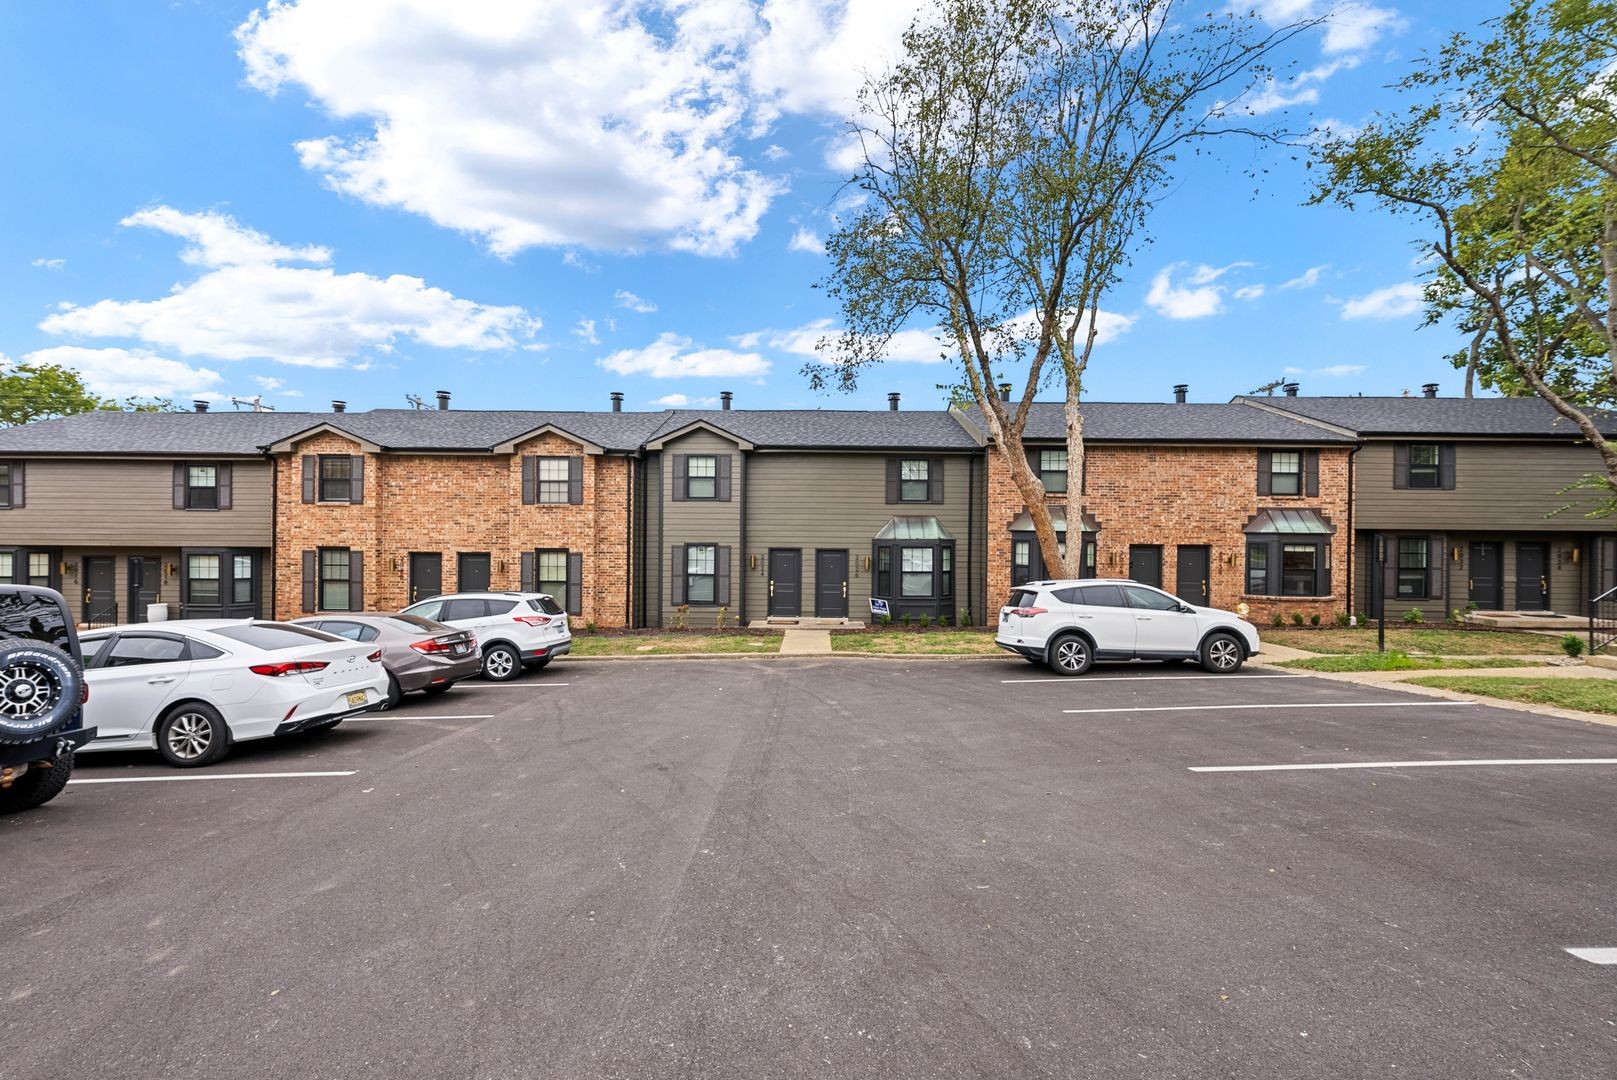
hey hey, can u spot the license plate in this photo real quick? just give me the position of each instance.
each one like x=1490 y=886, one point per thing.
x=357 y=697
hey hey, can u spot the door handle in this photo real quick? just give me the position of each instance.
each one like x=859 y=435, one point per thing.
x=1544 y=584
x=771 y=586
x=844 y=590
x=161 y=679
x=1471 y=583
x=1142 y=618
x=86 y=597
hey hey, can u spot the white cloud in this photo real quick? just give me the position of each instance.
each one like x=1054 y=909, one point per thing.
x=1393 y=302
x=585 y=332
x=681 y=401
x=627 y=299
x=247 y=306
x=1249 y=292
x=776 y=153
x=805 y=240
x=50 y=264
x=121 y=373
x=1197 y=299
x=920 y=346
x=1307 y=279
x=267 y=384
x=1349 y=27
x=673 y=357
x=1291 y=371
x=1339 y=371
x=1301 y=89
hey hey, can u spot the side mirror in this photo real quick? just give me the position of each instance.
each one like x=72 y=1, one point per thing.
x=1186 y=609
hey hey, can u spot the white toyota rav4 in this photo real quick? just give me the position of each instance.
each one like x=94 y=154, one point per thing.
x=1071 y=624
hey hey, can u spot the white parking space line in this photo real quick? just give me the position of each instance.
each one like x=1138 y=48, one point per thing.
x=510 y=686
x=1402 y=764
x=390 y=715
x=1595 y=956
x=203 y=776
x=1086 y=679
x=1304 y=705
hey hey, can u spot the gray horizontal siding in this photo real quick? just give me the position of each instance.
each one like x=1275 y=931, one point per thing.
x=122 y=504
x=1497 y=487
x=699 y=522
x=1568 y=579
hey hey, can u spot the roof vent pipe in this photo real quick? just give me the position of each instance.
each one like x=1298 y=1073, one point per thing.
x=617 y=401
x=1291 y=389
x=443 y=399
x=725 y=398
x=339 y=406
x=1179 y=392
x=200 y=405
x=892 y=402
x=1429 y=390
x=1004 y=391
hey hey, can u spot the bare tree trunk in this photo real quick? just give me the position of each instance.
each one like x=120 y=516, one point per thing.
x=1074 y=562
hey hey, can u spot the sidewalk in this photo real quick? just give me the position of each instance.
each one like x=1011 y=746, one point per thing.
x=801 y=642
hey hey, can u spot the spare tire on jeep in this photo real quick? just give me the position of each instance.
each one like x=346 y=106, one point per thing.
x=40 y=690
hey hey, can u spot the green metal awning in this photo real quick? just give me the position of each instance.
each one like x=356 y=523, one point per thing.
x=1289 y=523
x=1023 y=522
x=914 y=528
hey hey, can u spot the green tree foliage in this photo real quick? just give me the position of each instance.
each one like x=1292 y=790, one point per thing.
x=30 y=392
x=1505 y=151
x=1010 y=161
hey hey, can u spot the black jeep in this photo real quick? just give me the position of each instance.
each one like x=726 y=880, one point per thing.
x=42 y=694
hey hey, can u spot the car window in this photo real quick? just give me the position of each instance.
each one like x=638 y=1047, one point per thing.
x=92 y=647
x=545 y=604
x=1022 y=598
x=1150 y=599
x=501 y=607
x=133 y=649
x=35 y=616
x=273 y=637
x=427 y=609
x=455 y=610
x=1101 y=596
x=1068 y=595
x=202 y=651
x=352 y=630
x=413 y=622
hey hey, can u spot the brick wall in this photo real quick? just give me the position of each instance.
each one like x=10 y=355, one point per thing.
x=451 y=504
x=1172 y=495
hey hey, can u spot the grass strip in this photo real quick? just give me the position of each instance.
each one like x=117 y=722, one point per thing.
x=1585 y=695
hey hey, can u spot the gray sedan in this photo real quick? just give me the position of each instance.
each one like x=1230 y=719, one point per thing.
x=419 y=654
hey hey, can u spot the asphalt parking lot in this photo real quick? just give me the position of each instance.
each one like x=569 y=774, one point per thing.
x=833 y=868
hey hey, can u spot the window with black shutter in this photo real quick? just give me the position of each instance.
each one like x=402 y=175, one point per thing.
x=701 y=476
x=336 y=479
x=913 y=476
x=554 y=479
x=7 y=470
x=1053 y=471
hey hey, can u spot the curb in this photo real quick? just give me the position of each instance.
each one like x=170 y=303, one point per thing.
x=571 y=659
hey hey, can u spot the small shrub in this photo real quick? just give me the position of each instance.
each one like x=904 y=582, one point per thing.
x=719 y=617
x=590 y=627
x=1343 y=620
x=926 y=622
x=1313 y=620
x=965 y=616
x=682 y=617
x=1364 y=620
x=1572 y=645
x=1457 y=617
x=1278 y=620
x=905 y=618
x=1414 y=616
x=1470 y=606
x=1296 y=618
x=943 y=620
x=886 y=620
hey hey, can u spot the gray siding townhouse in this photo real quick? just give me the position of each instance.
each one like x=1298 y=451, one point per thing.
x=1471 y=497
x=810 y=513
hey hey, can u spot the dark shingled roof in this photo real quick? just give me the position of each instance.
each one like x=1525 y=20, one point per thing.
x=833 y=429
x=1127 y=421
x=1479 y=417
x=478 y=429
x=211 y=433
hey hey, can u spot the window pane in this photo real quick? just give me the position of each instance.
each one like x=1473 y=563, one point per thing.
x=336 y=474
x=243 y=566
x=333 y=564
x=1149 y=599
x=913 y=469
x=1257 y=569
x=699 y=559
x=554 y=486
x=334 y=596
x=1298 y=569
x=700 y=589
x=1101 y=596
x=700 y=478
x=203 y=571
x=39 y=565
x=272 y=636
x=1286 y=473
x=1423 y=454
x=553 y=468
x=5 y=485
x=205 y=566
x=553 y=573
x=7 y=566
x=1053 y=461
x=915 y=565
x=702 y=466
x=1021 y=553
x=203 y=476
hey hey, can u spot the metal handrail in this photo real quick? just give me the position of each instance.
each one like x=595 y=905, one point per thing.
x=1608 y=623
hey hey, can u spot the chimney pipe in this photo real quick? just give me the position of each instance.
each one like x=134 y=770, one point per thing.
x=617 y=401
x=339 y=406
x=1291 y=389
x=892 y=402
x=200 y=405
x=725 y=397
x=1429 y=390
x=443 y=399
x=1179 y=392
x=1004 y=391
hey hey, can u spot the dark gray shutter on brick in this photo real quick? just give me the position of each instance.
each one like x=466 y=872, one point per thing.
x=575 y=583
x=1445 y=469
x=1264 y=470
x=311 y=475
x=179 y=485
x=226 y=484
x=676 y=573
x=679 y=482
x=721 y=482
x=892 y=479
x=356 y=486
x=356 y=581
x=530 y=572
x=310 y=580
x=575 y=480
x=1400 y=465
x=530 y=481
x=1437 y=561
x=934 y=480
x=722 y=569
x=1311 y=473
x=19 y=489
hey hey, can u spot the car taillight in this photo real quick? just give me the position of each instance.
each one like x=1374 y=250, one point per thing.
x=288 y=667
x=432 y=645
x=375 y=657
x=84 y=694
x=534 y=620
x=1028 y=612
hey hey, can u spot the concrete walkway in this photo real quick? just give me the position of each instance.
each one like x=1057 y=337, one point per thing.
x=800 y=642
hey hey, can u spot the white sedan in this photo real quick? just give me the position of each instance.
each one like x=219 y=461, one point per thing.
x=188 y=689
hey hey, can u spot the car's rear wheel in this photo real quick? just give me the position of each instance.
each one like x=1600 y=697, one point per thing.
x=1222 y=654
x=40 y=687
x=38 y=786
x=1071 y=654
x=395 y=693
x=501 y=663
x=192 y=735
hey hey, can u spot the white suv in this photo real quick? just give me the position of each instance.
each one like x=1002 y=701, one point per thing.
x=514 y=629
x=1071 y=624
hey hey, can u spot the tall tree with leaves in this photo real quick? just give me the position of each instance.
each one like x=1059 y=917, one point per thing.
x=40 y=391
x=1505 y=153
x=1010 y=161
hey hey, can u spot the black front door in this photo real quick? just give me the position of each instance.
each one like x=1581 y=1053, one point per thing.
x=1532 y=577
x=785 y=582
x=1145 y=564
x=1487 y=582
x=100 y=596
x=145 y=575
x=831 y=584
x=474 y=572
x=1194 y=563
x=426 y=575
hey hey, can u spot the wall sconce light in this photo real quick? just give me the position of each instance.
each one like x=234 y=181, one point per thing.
x=1576 y=553
x=501 y=565
x=752 y=562
x=169 y=570
x=395 y=564
x=1230 y=559
x=68 y=570
x=1454 y=554
x=867 y=563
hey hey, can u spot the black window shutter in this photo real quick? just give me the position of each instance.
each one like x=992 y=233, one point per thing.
x=179 y=485
x=722 y=568
x=721 y=482
x=1311 y=473
x=1263 y=471
x=356 y=581
x=530 y=572
x=575 y=583
x=1400 y=465
x=530 y=480
x=1446 y=466
x=356 y=486
x=679 y=484
x=676 y=573
x=226 y=483
x=19 y=488
x=934 y=480
x=892 y=480
x=311 y=472
x=575 y=480
x=310 y=563
x=1437 y=555
x=1390 y=584
x=1324 y=570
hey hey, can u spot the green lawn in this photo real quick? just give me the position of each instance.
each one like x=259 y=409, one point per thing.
x=1397 y=661
x=926 y=643
x=1436 y=641
x=664 y=644
x=1587 y=695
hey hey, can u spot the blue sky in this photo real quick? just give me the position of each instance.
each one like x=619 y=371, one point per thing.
x=532 y=205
